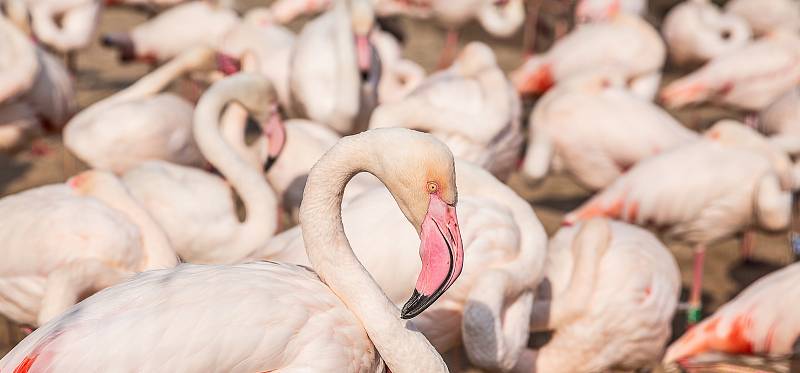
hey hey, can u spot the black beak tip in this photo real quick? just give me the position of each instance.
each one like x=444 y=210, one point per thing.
x=415 y=305
x=268 y=164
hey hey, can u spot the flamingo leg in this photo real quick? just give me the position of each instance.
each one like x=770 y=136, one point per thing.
x=747 y=244
x=449 y=51
x=695 y=301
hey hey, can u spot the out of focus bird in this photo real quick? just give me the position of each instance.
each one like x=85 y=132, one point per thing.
x=174 y=31
x=337 y=319
x=766 y=16
x=602 y=10
x=730 y=181
x=592 y=128
x=195 y=207
x=697 y=31
x=761 y=320
x=62 y=242
x=749 y=78
x=471 y=106
x=605 y=279
x=488 y=310
x=140 y=123
x=626 y=43
x=781 y=121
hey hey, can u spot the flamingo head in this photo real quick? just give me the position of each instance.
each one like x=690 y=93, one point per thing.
x=275 y=132
x=122 y=42
x=362 y=19
x=419 y=171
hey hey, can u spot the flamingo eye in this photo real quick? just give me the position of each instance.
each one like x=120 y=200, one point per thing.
x=432 y=187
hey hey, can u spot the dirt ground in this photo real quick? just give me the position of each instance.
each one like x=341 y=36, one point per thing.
x=99 y=74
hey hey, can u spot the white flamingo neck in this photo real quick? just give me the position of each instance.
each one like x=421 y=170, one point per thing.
x=260 y=203
x=400 y=346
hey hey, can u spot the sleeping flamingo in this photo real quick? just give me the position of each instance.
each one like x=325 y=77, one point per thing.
x=601 y=10
x=766 y=16
x=471 y=106
x=749 y=78
x=64 y=241
x=626 y=43
x=603 y=278
x=594 y=129
x=195 y=207
x=488 y=309
x=762 y=320
x=269 y=316
x=174 y=31
x=737 y=182
x=139 y=123
x=335 y=68
x=697 y=31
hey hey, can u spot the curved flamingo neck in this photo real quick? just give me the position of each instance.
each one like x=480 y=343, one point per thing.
x=259 y=201
x=402 y=347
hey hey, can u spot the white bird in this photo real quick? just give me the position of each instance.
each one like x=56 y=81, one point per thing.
x=270 y=316
x=471 y=106
x=20 y=67
x=766 y=16
x=750 y=78
x=195 y=207
x=62 y=242
x=601 y=10
x=626 y=43
x=140 y=123
x=697 y=31
x=761 y=320
x=335 y=68
x=594 y=129
x=605 y=279
x=488 y=309
x=174 y=31
x=703 y=192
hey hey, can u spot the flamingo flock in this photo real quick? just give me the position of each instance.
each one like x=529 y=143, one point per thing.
x=312 y=199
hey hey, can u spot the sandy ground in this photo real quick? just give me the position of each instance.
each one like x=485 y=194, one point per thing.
x=100 y=74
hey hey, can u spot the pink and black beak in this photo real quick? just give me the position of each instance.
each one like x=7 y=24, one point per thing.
x=275 y=132
x=228 y=64
x=122 y=42
x=442 y=256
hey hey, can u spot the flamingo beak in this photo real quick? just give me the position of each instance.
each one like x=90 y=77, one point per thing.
x=442 y=256
x=363 y=53
x=275 y=131
x=228 y=64
x=122 y=42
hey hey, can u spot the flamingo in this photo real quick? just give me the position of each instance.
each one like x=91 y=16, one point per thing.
x=626 y=43
x=601 y=10
x=487 y=310
x=766 y=16
x=781 y=121
x=697 y=31
x=749 y=78
x=20 y=67
x=335 y=69
x=736 y=180
x=63 y=241
x=594 y=129
x=762 y=319
x=174 y=31
x=335 y=318
x=603 y=278
x=471 y=106
x=195 y=207
x=139 y=123
x=399 y=76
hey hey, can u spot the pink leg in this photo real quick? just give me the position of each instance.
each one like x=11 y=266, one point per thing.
x=695 y=302
x=746 y=246
x=450 y=48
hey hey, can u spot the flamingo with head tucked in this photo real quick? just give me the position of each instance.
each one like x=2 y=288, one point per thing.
x=592 y=128
x=749 y=78
x=697 y=31
x=626 y=43
x=471 y=106
x=337 y=319
x=603 y=278
x=703 y=192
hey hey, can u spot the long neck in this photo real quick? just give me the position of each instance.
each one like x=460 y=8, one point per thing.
x=260 y=203
x=349 y=82
x=400 y=346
